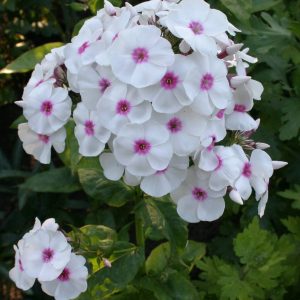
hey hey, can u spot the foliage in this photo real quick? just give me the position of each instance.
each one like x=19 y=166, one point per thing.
x=237 y=257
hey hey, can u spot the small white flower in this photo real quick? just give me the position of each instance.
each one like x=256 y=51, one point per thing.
x=17 y=274
x=39 y=145
x=140 y=56
x=169 y=96
x=47 y=109
x=196 y=201
x=71 y=282
x=122 y=105
x=207 y=85
x=91 y=135
x=45 y=254
x=197 y=24
x=141 y=149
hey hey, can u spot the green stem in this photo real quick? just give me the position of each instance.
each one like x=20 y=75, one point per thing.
x=139 y=223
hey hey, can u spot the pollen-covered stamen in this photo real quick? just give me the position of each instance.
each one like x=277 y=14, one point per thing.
x=104 y=84
x=123 y=107
x=89 y=128
x=65 y=275
x=174 y=125
x=44 y=138
x=47 y=255
x=140 y=55
x=199 y=194
x=169 y=81
x=47 y=107
x=247 y=170
x=207 y=82
x=196 y=27
x=142 y=147
x=240 y=108
x=83 y=47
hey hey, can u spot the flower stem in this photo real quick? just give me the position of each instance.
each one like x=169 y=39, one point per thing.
x=139 y=223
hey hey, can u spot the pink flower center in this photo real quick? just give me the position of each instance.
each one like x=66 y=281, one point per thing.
x=207 y=82
x=47 y=255
x=212 y=145
x=220 y=114
x=83 y=47
x=169 y=81
x=142 y=147
x=44 y=138
x=140 y=55
x=47 y=107
x=20 y=265
x=161 y=172
x=199 y=194
x=65 y=275
x=196 y=27
x=104 y=84
x=240 y=108
x=123 y=107
x=174 y=125
x=247 y=170
x=89 y=127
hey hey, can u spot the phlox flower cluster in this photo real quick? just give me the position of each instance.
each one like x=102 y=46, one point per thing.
x=45 y=254
x=163 y=97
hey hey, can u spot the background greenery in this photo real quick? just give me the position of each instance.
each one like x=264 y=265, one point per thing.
x=236 y=257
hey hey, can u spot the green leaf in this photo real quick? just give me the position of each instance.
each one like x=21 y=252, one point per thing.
x=10 y=174
x=27 y=61
x=292 y=195
x=21 y=119
x=78 y=6
x=58 y=180
x=161 y=216
x=254 y=245
x=114 y=193
x=293 y=225
x=108 y=281
x=158 y=259
x=193 y=252
x=290 y=119
x=259 y=5
x=95 y=5
x=241 y=9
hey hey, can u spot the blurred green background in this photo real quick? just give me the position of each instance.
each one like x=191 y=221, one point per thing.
x=245 y=258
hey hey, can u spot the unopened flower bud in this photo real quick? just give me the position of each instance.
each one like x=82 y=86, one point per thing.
x=236 y=197
x=109 y=8
x=107 y=263
x=239 y=80
x=278 y=164
x=261 y=146
x=184 y=47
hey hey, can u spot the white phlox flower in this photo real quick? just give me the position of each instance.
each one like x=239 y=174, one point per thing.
x=90 y=133
x=40 y=145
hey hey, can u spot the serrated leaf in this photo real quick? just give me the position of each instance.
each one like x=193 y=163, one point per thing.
x=293 y=225
x=241 y=9
x=58 y=180
x=290 y=119
x=27 y=61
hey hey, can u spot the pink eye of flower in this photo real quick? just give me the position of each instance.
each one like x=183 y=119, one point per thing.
x=196 y=27
x=142 y=147
x=104 y=84
x=174 y=125
x=169 y=81
x=220 y=163
x=123 y=107
x=220 y=114
x=199 y=194
x=47 y=107
x=247 y=170
x=44 y=138
x=140 y=55
x=240 y=108
x=65 y=275
x=83 y=47
x=47 y=255
x=207 y=82
x=89 y=128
